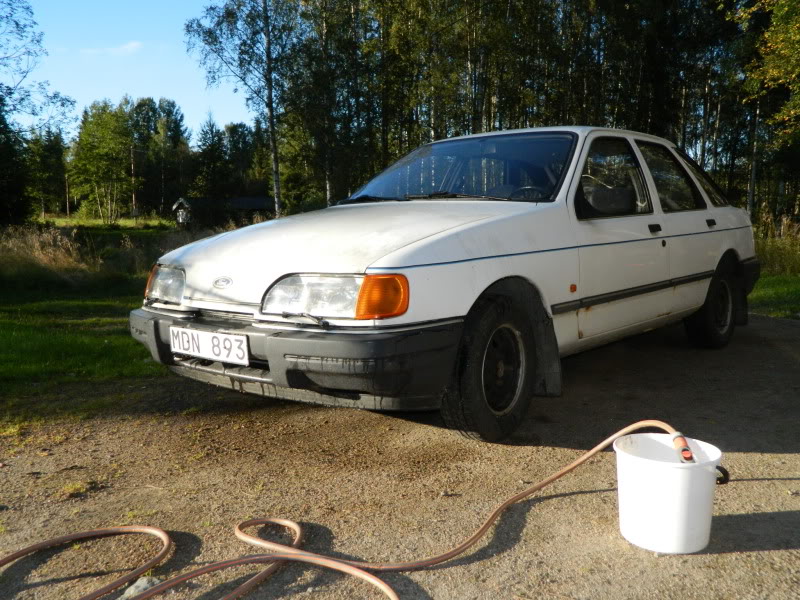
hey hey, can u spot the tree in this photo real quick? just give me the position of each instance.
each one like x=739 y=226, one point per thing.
x=170 y=155
x=778 y=67
x=47 y=170
x=239 y=146
x=20 y=51
x=248 y=41
x=211 y=164
x=15 y=206
x=100 y=167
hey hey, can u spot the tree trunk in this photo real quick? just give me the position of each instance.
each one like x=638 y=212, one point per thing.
x=751 y=190
x=715 y=153
x=704 y=133
x=270 y=107
x=100 y=201
x=133 y=186
x=161 y=209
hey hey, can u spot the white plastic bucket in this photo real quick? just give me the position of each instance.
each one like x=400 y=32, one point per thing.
x=665 y=505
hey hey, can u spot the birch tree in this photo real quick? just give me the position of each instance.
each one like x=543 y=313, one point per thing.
x=248 y=42
x=100 y=167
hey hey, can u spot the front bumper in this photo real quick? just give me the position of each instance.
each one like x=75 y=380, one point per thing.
x=406 y=369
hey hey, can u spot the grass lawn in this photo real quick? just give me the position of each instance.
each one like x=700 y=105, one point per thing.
x=55 y=338
x=777 y=296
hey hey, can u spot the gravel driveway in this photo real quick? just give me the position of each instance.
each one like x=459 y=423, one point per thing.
x=196 y=460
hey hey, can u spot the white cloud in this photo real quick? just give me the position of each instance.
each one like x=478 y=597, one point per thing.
x=124 y=50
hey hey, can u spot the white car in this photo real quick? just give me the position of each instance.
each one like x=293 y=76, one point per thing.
x=458 y=277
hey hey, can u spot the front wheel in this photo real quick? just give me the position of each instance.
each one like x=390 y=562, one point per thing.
x=712 y=326
x=493 y=383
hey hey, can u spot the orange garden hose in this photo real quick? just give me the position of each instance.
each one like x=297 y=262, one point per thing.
x=283 y=553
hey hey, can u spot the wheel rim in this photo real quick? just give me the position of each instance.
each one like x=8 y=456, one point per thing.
x=503 y=369
x=723 y=307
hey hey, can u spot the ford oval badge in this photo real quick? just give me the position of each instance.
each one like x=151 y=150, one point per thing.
x=222 y=282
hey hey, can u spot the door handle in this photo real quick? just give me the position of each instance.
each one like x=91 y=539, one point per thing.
x=654 y=227
x=711 y=222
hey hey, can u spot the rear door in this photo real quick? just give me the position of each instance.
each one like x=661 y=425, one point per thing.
x=688 y=224
x=623 y=259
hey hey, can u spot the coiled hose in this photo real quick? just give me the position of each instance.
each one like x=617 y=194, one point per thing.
x=283 y=553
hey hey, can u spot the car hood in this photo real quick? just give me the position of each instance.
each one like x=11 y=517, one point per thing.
x=341 y=239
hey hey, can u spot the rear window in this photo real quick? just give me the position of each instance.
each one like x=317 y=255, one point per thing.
x=675 y=188
x=711 y=189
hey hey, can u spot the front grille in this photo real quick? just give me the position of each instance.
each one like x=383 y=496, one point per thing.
x=257 y=371
x=224 y=315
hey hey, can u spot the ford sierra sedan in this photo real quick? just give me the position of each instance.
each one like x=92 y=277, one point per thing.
x=457 y=278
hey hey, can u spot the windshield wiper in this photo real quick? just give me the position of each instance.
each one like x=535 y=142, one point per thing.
x=437 y=195
x=368 y=198
x=318 y=320
x=440 y=194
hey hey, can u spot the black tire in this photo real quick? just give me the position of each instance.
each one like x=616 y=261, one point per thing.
x=712 y=326
x=493 y=382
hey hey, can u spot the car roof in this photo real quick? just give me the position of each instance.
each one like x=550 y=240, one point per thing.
x=581 y=130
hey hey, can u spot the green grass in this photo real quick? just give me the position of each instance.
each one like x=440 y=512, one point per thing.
x=51 y=338
x=776 y=296
x=126 y=224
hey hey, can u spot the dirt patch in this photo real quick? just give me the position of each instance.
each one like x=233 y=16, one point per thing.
x=195 y=461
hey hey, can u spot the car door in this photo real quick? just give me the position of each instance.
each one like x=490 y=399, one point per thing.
x=688 y=225
x=623 y=259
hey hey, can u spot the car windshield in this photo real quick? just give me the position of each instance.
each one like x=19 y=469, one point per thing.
x=519 y=167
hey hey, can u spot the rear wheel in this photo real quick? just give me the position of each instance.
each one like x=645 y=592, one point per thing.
x=712 y=326
x=493 y=382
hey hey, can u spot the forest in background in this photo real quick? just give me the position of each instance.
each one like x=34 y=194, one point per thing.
x=341 y=88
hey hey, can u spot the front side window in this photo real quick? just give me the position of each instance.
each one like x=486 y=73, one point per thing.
x=520 y=167
x=611 y=182
x=676 y=190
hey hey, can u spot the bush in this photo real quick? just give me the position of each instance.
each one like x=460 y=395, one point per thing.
x=47 y=257
x=31 y=256
x=779 y=255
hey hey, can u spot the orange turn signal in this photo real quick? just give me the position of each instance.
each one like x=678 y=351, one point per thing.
x=382 y=296
x=150 y=280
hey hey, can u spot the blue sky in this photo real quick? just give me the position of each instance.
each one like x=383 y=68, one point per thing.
x=107 y=48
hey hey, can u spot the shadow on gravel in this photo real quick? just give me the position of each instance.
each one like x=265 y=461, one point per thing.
x=186 y=547
x=742 y=398
x=508 y=530
x=14 y=577
x=755 y=532
x=284 y=583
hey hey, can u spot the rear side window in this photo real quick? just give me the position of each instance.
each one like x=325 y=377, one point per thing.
x=676 y=190
x=611 y=182
x=711 y=189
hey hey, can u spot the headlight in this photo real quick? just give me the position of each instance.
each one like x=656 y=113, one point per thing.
x=318 y=295
x=165 y=284
x=339 y=296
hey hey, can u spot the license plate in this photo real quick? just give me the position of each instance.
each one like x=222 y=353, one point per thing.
x=222 y=347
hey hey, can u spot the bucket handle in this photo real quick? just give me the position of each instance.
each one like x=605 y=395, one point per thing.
x=723 y=476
